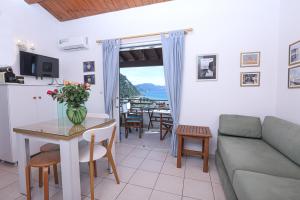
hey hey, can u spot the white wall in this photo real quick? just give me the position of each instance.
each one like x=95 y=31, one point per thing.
x=30 y=23
x=288 y=99
x=223 y=27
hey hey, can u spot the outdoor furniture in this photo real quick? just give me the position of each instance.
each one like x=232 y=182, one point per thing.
x=196 y=132
x=94 y=151
x=166 y=127
x=156 y=115
x=61 y=132
x=43 y=161
x=133 y=119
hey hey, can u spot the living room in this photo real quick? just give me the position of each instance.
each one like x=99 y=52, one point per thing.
x=250 y=47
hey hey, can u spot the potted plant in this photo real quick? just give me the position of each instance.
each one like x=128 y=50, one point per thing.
x=74 y=95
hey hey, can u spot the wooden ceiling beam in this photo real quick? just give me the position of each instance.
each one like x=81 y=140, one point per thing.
x=33 y=1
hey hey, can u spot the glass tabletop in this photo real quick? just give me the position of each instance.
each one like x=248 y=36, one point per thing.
x=62 y=128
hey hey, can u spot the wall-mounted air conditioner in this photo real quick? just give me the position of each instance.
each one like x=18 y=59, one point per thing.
x=74 y=43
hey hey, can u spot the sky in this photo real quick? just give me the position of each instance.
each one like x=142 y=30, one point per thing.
x=139 y=75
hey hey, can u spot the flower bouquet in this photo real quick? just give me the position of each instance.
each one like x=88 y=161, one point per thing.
x=74 y=95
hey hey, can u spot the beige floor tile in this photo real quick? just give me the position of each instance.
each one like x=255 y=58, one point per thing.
x=164 y=150
x=125 y=173
x=85 y=183
x=196 y=172
x=171 y=169
x=194 y=161
x=108 y=189
x=10 y=192
x=151 y=165
x=156 y=155
x=171 y=184
x=140 y=153
x=7 y=178
x=198 y=189
x=132 y=192
x=59 y=196
x=37 y=193
x=132 y=161
x=172 y=159
x=124 y=149
x=214 y=175
x=9 y=168
x=158 y=195
x=144 y=178
x=188 y=198
x=218 y=192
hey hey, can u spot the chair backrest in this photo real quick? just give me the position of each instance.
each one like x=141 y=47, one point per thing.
x=100 y=134
x=98 y=115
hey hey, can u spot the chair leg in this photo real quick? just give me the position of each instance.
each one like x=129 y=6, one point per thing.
x=113 y=166
x=95 y=168
x=126 y=132
x=91 y=166
x=28 y=191
x=55 y=173
x=40 y=177
x=46 y=183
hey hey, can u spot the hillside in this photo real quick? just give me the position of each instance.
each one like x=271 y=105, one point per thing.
x=127 y=89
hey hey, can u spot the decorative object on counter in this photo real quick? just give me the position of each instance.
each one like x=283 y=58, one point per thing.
x=250 y=79
x=207 y=67
x=89 y=66
x=294 y=77
x=7 y=76
x=90 y=79
x=294 y=53
x=74 y=95
x=250 y=59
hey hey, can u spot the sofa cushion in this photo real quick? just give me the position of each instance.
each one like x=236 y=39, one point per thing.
x=283 y=136
x=254 y=155
x=255 y=186
x=238 y=125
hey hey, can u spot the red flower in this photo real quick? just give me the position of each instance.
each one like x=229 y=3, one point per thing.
x=49 y=92
x=55 y=91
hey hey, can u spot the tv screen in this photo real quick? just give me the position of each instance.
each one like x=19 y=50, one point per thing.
x=38 y=65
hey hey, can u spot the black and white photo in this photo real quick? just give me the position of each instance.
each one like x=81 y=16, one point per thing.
x=90 y=79
x=207 y=67
x=294 y=77
x=294 y=53
x=250 y=79
x=89 y=66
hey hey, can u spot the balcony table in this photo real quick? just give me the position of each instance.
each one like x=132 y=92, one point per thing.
x=67 y=135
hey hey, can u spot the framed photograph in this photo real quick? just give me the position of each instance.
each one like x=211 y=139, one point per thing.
x=89 y=66
x=207 y=67
x=250 y=59
x=294 y=53
x=249 y=79
x=294 y=77
x=89 y=79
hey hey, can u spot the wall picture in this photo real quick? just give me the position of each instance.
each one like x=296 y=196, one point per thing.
x=89 y=79
x=207 y=67
x=294 y=77
x=250 y=79
x=250 y=59
x=294 y=53
x=89 y=66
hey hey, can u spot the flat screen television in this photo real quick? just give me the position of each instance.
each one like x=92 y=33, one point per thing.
x=39 y=66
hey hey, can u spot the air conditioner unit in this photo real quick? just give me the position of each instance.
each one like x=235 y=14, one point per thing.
x=73 y=44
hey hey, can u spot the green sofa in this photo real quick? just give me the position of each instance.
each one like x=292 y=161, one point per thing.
x=258 y=161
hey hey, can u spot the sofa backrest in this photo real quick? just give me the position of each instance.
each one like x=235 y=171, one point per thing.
x=239 y=125
x=283 y=136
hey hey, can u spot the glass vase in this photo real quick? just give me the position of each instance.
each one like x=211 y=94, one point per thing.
x=76 y=114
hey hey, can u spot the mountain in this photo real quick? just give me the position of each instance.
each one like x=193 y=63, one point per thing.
x=127 y=89
x=151 y=91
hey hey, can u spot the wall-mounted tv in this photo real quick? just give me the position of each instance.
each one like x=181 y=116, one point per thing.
x=39 y=66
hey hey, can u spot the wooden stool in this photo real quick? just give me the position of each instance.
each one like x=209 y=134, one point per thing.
x=196 y=132
x=43 y=161
x=49 y=147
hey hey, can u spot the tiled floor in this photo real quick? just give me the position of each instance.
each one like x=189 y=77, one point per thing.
x=146 y=169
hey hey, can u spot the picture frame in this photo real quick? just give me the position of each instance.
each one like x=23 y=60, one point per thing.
x=294 y=53
x=250 y=79
x=294 y=77
x=207 y=68
x=89 y=66
x=250 y=59
x=90 y=79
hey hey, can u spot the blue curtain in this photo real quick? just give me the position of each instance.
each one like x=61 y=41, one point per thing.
x=111 y=49
x=173 y=50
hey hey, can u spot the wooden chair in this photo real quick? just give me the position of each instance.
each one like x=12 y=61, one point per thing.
x=43 y=161
x=166 y=126
x=90 y=153
x=134 y=119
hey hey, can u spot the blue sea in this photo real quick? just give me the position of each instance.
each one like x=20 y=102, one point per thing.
x=156 y=95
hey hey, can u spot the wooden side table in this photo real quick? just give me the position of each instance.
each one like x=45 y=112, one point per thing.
x=198 y=132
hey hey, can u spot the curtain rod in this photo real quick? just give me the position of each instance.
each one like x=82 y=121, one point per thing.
x=147 y=35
